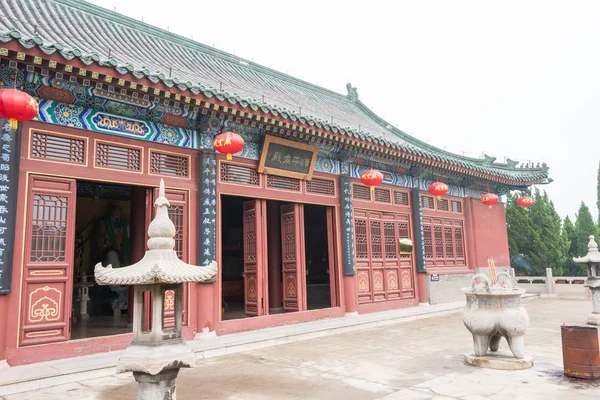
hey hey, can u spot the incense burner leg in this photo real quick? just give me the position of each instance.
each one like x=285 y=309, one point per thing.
x=517 y=345
x=495 y=342
x=481 y=344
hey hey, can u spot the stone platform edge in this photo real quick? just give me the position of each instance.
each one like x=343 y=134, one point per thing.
x=35 y=376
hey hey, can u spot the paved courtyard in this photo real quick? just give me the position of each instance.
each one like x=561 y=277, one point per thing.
x=416 y=360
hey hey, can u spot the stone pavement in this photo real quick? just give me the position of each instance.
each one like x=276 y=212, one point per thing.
x=415 y=360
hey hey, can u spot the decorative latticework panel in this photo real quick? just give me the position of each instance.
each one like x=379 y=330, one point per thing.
x=283 y=183
x=176 y=213
x=444 y=242
x=288 y=228
x=119 y=157
x=321 y=186
x=240 y=174
x=57 y=148
x=360 y=238
x=360 y=192
x=250 y=235
x=376 y=240
x=442 y=205
x=49 y=228
x=169 y=164
x=379 y=259
x=401 y=198
x=456 y=206
x=427 y=202
x=382 y=195
x=389 y=237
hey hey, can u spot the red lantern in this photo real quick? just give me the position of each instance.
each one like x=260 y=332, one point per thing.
x=525 y=201
x=229 y=143
x=438 y=189
x=16 y=105
x=489 y=199
x=371 y=178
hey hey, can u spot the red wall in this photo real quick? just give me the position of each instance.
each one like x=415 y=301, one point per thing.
x=3 y=329
x=487 y=234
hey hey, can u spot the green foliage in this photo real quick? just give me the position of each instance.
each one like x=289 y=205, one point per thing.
x=569 y=234
x=550 y=247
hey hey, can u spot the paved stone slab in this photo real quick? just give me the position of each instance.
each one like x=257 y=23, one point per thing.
x=417 y=360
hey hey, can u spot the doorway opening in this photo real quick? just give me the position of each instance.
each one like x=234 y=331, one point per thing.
x=104 y=234
x=232 y=257
x=316 y=238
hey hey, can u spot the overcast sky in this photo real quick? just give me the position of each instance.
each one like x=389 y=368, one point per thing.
x=516 y=79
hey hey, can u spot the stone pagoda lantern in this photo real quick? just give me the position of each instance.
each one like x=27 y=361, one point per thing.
x=155 y=355
x=592 y=259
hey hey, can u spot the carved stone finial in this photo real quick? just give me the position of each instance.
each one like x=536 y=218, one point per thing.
x=161 y=231
x=352 y=92
x=592 y=245
x=593 y=255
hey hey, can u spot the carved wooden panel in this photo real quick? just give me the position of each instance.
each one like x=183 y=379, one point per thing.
x=239 y=174
x=361 y=192
x=49 y=253
x=324 y=187
x=401 y=198
x=168 y=164
x=444 y=241
x=292 y=257
x=383 y=195
x=283 y=183
x=118 y=157
x=53 y=147
x=255 y=260
x=380 y=267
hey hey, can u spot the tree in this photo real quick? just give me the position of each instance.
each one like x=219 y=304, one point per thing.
x=584 y=227
x=550 y=246
x=569 y=233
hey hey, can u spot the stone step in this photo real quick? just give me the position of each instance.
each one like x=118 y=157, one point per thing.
x=30 y=377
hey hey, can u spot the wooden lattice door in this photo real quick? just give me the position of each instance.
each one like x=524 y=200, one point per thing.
x=292 y=257
x=48 y=260
x=178 y=212
x=255 y=257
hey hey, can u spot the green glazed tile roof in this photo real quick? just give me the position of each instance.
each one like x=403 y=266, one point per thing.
x=94 y=35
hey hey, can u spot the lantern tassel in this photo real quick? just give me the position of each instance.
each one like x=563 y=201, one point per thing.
x=229 y=157
x=13 y=123
x=372 y=189
x=439 y=197
x=490 y=207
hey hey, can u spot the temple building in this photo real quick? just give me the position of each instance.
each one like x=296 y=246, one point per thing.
x=295 y=233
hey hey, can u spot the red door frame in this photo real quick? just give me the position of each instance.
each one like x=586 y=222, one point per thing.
x=256 y=296
x=261 y=191
x=293 y=256
x=15 y=353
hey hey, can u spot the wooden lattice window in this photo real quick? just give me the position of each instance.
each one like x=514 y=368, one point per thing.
x=360 y=192
x=176 y=213
x=401 y=198
x=360 y=239
x=382 y=195
x=389 y=237
x=444 y=241
x=427 y=202
x=283 y=183
x=321 y=186
x=169 y=164
x=49 y=228
x=120 y=157
x=376 y=251
x=241 y=174
x=58 y=148
x=404 y=233
x=456 y=206
x=442 y=205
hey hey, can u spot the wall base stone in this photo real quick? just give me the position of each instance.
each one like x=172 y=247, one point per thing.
x=448 y=288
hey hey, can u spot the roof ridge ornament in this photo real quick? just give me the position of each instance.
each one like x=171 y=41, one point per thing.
x=352 y=92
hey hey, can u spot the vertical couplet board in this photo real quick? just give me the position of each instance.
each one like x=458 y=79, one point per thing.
x=292 y=257
x=255 y=258
x=48 y=260
x=178 y=212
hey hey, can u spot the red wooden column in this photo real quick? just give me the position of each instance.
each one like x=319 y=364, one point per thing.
x=138 y=239
x=274 y=257
x=3 y=325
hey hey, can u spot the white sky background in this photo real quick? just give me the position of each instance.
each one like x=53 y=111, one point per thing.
x=516 y=79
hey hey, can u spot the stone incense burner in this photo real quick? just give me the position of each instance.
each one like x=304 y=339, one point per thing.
x=493 y=311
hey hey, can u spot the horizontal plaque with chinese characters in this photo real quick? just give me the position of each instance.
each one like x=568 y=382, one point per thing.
x=287 y=158
x=9 y=173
